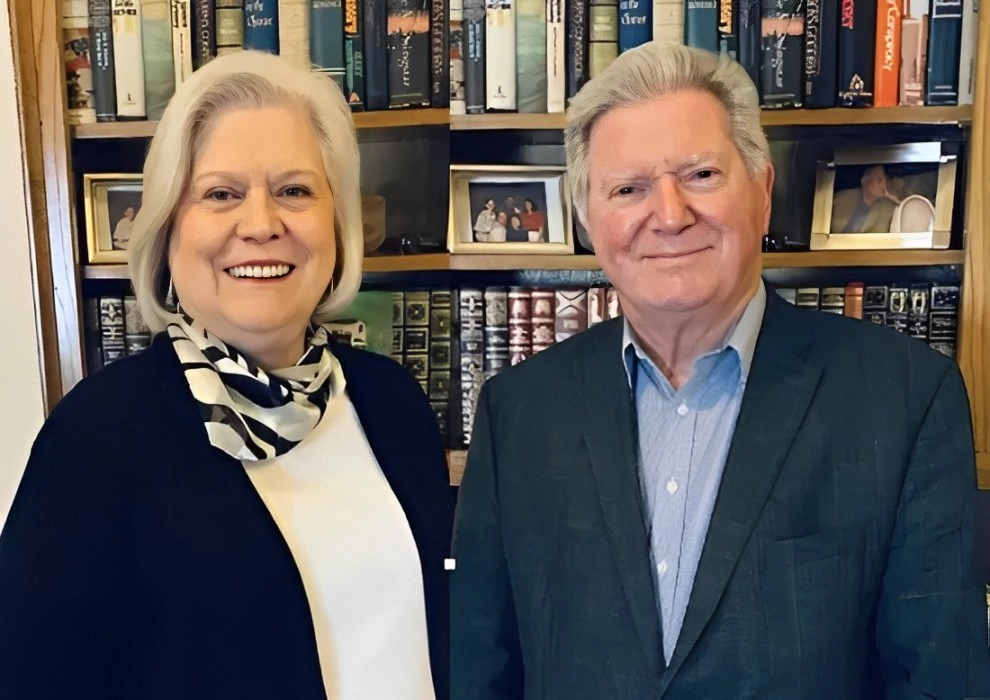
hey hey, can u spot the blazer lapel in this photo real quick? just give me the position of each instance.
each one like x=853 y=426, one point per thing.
x=609 y=433
x=781 y=385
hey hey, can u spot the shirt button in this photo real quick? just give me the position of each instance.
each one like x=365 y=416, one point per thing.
x=682 y=409
x=662 y=567
x=671 y=485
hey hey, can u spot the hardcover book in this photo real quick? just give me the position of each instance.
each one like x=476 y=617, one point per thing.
x=782 y=68
x=159 y=68
x=749 y=38
x=439 y=56
x=603 y=35
x=914 y=49
x=500 y=55
x=635 y=23
x=456 y=49
x=293 y=32
x=374 y=23
x=440 y=356
x=354 y=86
x=668 y=20
x=898 y=304
x=701 y=24
x=230 y=25
x=944 y=38
x=887 y=61
x=520 y=325
x=571 y=314
x=471 y=348
x=531 y=56
x=78 y=68
x=728 y=25
x=205 y=34
x=261 y=25
x=821 y=61
x=326 y=38
x=112 y=329
x=857 y=34
x=128 y=67
x=577 y=46
x=101 y=56
x=409 y=53
x=556 y=54
x=475 y=90
x=542 y=305
x=182 y=43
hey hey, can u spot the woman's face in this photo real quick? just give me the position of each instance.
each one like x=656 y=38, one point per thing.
x=529 y=205
x=252 y=249
x=515 y=221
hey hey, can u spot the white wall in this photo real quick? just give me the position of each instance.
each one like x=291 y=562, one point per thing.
x=21 y=393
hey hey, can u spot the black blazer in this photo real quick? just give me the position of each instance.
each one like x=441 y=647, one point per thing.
x=836 y=563
x=138 y=561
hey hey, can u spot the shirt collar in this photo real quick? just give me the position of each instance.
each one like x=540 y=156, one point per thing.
x=742 y=337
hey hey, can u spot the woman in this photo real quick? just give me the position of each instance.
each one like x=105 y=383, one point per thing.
x=245 y=509
x=516 y=233
x=533 y=220
x=485 y=222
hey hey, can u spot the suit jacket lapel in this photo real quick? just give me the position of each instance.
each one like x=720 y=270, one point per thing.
x=609 y=433
x=781 y=385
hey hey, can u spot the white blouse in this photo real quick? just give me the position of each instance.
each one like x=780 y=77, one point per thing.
x=357 y=557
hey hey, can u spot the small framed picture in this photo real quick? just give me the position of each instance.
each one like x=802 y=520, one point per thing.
x=112 y=201
x=882 y=197
x=509 y=209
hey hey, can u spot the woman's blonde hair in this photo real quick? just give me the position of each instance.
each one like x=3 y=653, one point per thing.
x=653 y=70
x=244 y=80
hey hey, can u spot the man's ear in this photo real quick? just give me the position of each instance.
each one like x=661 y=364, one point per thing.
x=769 y=177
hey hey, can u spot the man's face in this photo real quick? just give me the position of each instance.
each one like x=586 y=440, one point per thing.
x=675 y=218
x=874 y=182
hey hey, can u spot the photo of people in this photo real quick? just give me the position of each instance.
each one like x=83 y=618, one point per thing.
x=884 y=198
x=112 y=203
x=508 y=212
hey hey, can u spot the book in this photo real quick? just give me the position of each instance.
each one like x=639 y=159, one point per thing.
x=701 y=24
x=857 y=34
x=326 y=39
x=944 y=39
x=456 y=49
x=782 y=67
x=542 y=307
x=128 y=55
x=416 y=336
x=439 y=57
x=112 y=329
x=496 y=345
x=440 y=371
x=408 y=52
x=261 y=25
x=577 y=46
x=182 y=48
x=728 y=25
x=205 y=34
x=293 y=32
x=159 y=69
x=520 y=325
x=471 y=310
x=914 y=49
x=137 y=335
x=374 y=25
x=80 y=101
x=887 y=60
x=636 y=23
x=967 y=45
x=354 y=83
x=556 y=53
x=603 y=35
x=101 y=57
x=475 y=19
x=668 y=20
x=821 y=62
x=853 y=307
x=531 y=56
x=500 y=55
x=749 y=38
x=230 y=25
x=571 y=314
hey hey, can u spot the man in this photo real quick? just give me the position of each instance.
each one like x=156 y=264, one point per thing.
x=122 y=232
x=724 y=496
x=866 y=209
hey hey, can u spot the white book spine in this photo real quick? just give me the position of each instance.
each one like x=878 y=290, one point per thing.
x=556 y=55
x=78 y=69
x=293 y=32
x=182 y=40
x=457 y=103
x=128 y=55
x=967 y=59
x=668 y=20
x=500 y=55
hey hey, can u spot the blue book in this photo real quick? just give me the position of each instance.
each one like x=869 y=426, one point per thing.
x=261 y=25
x=635 y=23
x=326 y=38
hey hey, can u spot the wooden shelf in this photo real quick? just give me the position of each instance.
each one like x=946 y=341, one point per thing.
x=362 y=120
x=444 y=261
x=456 y=460
x=769 y=117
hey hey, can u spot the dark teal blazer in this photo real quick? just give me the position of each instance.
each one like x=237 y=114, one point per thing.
x=837 y=561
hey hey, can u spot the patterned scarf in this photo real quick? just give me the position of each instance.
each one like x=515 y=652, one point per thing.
x=251 y=414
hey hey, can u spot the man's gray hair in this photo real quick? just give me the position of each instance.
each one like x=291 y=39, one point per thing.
x=653 y=70
x=244 y=80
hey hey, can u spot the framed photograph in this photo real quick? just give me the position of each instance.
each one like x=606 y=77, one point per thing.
x=509 y=209
x=884 y=197
x=112 y=201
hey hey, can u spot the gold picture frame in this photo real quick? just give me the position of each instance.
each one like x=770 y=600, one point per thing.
x=510 y=209
x=111 y=201
x=884 y=197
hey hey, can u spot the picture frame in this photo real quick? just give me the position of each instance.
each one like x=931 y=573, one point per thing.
x=510 y=209
x=111 y=202
x=884 y=197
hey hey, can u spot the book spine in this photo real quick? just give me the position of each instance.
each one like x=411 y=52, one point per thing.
x=875 y=304
x=474 y=56
x=76 y=44
x=128 y=56
x=542 y=306
x=354 y=87
x=612 y=307
x=597 y=305
x=857 y=34
x=439 y=56
x=728 y=39
x=456 y=51
x=408 y=53
x=156 y=41
x=556 y=56
x=137 y=335
x=398 y=324
x=782 y=68
x=571 y=314
x=496 y=357
x=91 y=334
x=326 y=38
x=918 y=311
x=440 y=358
x=205 y=35
x=749 y=37
x=943 y=318
x=898 y=304
x=635 y=23
x=500 y=55
x=821 y=62
x=887 y=56
x=834 y=300
x=914 y=47
x=520 y=325
x=112 y=329
x=182 y=51
x=603 y=35
x=701 y=24
x=853 y=307
x=967 y=45
x=261 y=25
x=375 y=27
x=471 y=342
x=531 y=55
x=230 y=26
x=101 y=56
x=293 y=32
x=577 y=46
x=808 y=297
x=416 y=337
x=668 y=20
x=944 y=38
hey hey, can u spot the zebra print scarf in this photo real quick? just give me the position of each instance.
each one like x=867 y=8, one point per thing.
x=251 y=414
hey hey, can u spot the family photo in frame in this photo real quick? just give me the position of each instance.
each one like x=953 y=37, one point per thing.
x=112 y=201
x=509 y=209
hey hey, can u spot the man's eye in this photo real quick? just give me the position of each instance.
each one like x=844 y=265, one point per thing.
x=627 y=190
x=704 y=174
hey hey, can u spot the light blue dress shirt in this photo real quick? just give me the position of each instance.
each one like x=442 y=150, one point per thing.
x=684 y=438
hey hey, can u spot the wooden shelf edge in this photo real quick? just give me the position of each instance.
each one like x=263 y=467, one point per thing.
x=456 y=460
x=863 y=258
x=982 y=469
x=105 y=272
x=407 y=263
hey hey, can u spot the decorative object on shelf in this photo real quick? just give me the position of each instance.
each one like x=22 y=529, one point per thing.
x=112 y=201
x=881 y=197
x=373 y=219
x=509 y=209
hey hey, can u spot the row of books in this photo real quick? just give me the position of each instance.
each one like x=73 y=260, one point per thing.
x=532 y=55
x=452 y=340
x=125 y=57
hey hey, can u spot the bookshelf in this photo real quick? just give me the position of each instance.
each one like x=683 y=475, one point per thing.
x=36 y=37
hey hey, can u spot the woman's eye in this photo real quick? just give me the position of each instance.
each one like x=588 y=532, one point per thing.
x=295 y=191
x=219 y=195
